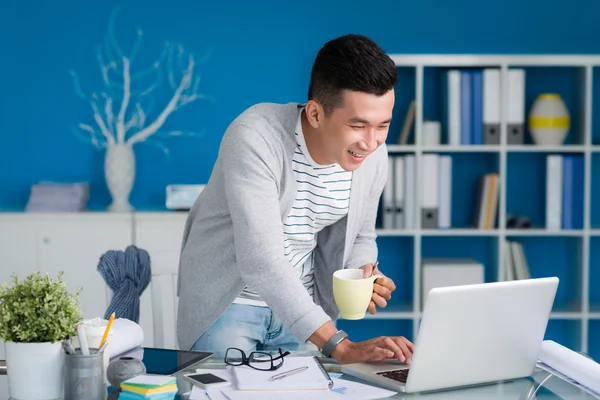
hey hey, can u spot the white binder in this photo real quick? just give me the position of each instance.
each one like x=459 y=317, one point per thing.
x=445 y=192
x=388 y=196
x=429 y=192
x=399 y=192
x=410 y=209
x=516 y=106
x=491 y=106
x=453 y=107
x=554 y=184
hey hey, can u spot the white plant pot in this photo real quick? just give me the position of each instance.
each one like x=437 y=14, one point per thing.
x=35 y=371
x=549 y=120
x=119 y=171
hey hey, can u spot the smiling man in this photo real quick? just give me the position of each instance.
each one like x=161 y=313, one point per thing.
x=293 y=197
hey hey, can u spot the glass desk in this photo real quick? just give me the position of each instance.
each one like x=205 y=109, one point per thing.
x=541 y=385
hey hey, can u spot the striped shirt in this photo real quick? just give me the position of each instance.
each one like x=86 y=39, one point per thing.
x=322 y=198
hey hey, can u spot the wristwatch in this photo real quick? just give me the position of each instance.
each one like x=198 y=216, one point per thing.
x=334 y=341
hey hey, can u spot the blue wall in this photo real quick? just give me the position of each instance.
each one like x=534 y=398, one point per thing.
x=261 y=51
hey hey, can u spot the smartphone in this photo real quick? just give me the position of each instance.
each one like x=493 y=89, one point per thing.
x=207 y=381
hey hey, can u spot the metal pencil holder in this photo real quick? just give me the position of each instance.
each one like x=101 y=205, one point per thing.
x=85 y=376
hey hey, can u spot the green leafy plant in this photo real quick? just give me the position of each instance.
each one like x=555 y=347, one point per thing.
x=38 y=309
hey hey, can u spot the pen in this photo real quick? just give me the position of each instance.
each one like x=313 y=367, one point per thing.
x=374 y=268
x=287 y=373
x=68 y=347
x=83 y=344
x=101 y=349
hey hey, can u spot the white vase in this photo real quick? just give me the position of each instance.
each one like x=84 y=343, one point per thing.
x=119 y=172
x=549 y=120
x=35 y=371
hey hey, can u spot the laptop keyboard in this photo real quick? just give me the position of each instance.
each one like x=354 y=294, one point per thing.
x=399 y=375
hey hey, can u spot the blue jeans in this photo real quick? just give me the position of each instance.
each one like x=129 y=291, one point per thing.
x=250 y=328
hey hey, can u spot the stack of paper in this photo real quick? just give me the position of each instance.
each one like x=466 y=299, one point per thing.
x=155 y=387
x=570 y=366
x=313 y=378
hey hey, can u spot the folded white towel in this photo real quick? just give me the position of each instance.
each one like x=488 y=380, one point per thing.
x=126 y=335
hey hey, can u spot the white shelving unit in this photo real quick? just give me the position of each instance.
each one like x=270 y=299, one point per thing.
x=584 y=64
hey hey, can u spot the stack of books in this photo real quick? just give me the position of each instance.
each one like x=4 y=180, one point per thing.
x=57 y=197
x=155 y=387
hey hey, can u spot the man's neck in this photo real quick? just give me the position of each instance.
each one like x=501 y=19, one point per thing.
x=314 y=141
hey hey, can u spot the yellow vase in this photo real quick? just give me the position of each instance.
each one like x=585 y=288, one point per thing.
x=549 y=120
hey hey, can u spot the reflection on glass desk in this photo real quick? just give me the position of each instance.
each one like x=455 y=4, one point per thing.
x=541 y=385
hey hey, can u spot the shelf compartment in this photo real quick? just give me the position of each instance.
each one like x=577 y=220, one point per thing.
x=566 y=332
x=595 y=97
x=594 y=339
x=396 y=261
x=569 y=83
x=595 y=191
x=438 y=92
x=483 y=249
x=526 y=191
x=364 y=329
x=467 y=172
x=405 y=93
x=594 y=275
x=556 y=256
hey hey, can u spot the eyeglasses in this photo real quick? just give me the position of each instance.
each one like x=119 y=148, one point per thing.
x=257 y=360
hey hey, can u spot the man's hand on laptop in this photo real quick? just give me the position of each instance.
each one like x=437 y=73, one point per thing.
x=382 y=288
x=376 y=349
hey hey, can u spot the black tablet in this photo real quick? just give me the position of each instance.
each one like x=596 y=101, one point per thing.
x=169 y=361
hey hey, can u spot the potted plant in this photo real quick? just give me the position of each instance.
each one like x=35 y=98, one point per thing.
x=36 y=315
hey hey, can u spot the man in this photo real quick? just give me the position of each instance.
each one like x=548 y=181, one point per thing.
x=292 y=198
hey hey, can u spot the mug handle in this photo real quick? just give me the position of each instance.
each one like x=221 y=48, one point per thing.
x=375 y=277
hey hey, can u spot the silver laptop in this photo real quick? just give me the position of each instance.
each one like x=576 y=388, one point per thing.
x=471 y=335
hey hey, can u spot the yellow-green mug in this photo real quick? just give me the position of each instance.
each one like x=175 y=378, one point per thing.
x=352 y=292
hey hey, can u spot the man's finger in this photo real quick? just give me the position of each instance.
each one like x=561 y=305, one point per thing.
x=410 y=345
x=372 y=307
x=382 y=291
x=380 y=353
x=367 y=270
x=407 y=353
x=380 y=301
x=393 y=346
x=387 y=282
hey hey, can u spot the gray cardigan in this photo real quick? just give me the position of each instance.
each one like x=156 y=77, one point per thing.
x=233 y=235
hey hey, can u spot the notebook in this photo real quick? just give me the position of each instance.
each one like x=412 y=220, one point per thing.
x=313 y=378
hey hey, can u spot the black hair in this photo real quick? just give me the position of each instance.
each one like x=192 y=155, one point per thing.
x=351 y=62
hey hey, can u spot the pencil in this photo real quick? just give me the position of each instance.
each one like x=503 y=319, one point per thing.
x=110 y=321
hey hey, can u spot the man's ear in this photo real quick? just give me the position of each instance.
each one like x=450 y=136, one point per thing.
x=314 y=113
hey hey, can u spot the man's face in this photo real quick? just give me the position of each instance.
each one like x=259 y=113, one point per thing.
x=357 y=128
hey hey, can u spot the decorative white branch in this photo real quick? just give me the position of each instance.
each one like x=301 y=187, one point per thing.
x=124 y=102
x=128 y=124
x=100 y=121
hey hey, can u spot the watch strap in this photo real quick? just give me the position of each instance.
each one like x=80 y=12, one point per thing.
x=333 y=342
